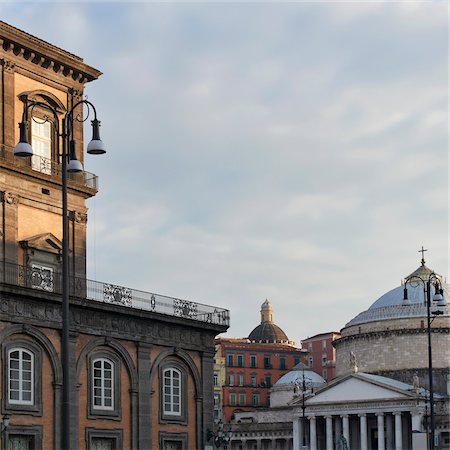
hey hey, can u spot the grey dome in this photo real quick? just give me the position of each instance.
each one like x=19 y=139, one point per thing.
x=296 y=376
x=391 y=305
x=268 y=332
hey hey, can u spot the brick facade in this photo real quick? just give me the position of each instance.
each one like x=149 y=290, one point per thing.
x=251 y=369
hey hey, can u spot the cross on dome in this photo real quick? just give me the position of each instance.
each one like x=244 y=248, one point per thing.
x=423 y=250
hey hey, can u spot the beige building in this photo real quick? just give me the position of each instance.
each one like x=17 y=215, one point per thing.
x=141 y=364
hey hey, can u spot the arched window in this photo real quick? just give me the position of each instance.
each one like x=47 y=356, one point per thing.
x=43 y=129
x=172 y=386
x=20 y=376
x=102 y=384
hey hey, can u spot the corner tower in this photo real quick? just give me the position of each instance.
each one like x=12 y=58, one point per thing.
x=30 y=188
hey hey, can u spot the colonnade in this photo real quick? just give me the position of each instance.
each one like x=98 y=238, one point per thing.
x=387 y=430
x=260 y=443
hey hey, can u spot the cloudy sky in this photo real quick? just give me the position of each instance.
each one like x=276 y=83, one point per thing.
x=290 y=151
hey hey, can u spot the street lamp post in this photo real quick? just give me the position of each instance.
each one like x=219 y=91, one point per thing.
x=306 y=384
x=69 y=163
x=220 y=436
x=429 y=282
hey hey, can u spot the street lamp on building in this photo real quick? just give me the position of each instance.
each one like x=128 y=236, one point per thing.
x=433 y=291
x=69 y=163
x=220 y=437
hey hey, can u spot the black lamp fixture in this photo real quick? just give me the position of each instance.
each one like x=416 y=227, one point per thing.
x=430 y=282
x=5 y=424
x=70 y=163
x=219 y=436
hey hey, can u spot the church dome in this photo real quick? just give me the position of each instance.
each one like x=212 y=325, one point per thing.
x=390 y=338
x=267 y=331
x=391 y=305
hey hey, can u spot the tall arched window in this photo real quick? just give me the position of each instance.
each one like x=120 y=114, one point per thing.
x=102 y=384
x=20 y=376
x=172 y=392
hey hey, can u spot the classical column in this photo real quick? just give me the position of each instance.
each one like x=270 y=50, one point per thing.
x=346 y=429
x=338 y=427
x=296 y=433
x=398 y=431
x=329 y=422
x=416 y=422
x=312 y=433
x=389 y=421
x=380 y=423
x=363 y=431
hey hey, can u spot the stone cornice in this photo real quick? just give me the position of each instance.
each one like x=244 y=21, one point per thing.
x=88 y=317
x=383 y=333
x=20 y=45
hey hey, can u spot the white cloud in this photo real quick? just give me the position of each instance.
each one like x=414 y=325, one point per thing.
x=289 y=151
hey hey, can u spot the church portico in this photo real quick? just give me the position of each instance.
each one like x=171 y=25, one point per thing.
x=362 y=431
x=364 y=411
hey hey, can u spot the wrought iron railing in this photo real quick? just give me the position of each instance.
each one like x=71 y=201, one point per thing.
x=46 y=166
x=46 y=280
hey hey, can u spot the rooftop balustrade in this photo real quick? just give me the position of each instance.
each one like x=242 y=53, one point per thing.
x=45 y=279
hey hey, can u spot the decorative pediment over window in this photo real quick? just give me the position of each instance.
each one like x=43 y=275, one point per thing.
x=46 y=242
x=44 y=97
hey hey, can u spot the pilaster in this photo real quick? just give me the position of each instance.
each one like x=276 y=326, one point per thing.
x=144 y=422
x=206 y=416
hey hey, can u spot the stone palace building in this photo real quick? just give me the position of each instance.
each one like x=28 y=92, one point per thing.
x=141 y=365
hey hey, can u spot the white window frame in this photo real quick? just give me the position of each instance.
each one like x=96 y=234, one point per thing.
x=102 y=384
x=20 y=379
x=170 y=397
x=41 y=141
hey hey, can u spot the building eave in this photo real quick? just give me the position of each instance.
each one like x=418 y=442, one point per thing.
x=45 y=55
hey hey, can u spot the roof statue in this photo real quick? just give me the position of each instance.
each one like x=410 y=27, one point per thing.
x=353 y=362
x=416 y=382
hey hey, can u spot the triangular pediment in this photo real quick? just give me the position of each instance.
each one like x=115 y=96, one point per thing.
x=44 y=242
x=361 y=388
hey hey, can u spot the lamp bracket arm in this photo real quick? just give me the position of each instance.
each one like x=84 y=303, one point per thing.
x=29 y=106
x=79 y=117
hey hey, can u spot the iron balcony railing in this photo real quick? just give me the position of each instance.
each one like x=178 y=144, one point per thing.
x=45 y=279
x=46 y=167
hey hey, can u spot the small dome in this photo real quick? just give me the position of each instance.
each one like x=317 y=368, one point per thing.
x=268 y=332
x=297 y=374
x=392 y=306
